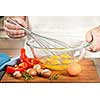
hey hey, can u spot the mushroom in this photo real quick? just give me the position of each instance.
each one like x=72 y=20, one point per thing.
x=32 y=72
x=17 y=74
x=46 y=73
x=37 y=67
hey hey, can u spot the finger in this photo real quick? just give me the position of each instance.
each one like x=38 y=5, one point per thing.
x=89 y=37
x=15 y=36
x=90 y=48
x=14 y=32
x=94 y=47
x=10 y=26
x=21 y=21
x=18 y=35
x=30 y=27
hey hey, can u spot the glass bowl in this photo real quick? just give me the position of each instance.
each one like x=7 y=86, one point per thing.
x=59 y=58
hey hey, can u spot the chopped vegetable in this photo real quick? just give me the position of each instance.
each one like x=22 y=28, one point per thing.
x=38 y=68
x=46 y=73
x=30 y=61
x=54 y=77
x=28 y=67
x=27 y=76
x=21 y=67
x=17 y=74
x=32 y=71
x=10 y=70
x=35 y=61
x=23 y=57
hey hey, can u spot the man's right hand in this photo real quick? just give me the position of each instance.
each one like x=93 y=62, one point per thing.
x=14 y=31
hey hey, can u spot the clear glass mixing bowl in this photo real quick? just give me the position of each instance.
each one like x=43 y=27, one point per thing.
x=59 y=58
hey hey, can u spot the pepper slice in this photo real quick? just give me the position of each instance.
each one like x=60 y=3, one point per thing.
x=10 y=70
x=22 y=54
x=21 y=67
x=35 y=61
x=30 y=61
x=23 y=57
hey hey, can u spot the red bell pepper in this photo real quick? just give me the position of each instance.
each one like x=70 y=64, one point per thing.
x=22 y=54
x=30 y=61
x=23 y=57
x=35 y=61
x=21 y=67
x=10 y=70
x=25 y=63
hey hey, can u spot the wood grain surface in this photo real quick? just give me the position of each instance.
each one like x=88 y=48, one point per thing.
x=88 y=75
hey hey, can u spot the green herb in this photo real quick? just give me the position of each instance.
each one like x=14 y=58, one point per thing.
x=27 y=76
x=10 y=75
x=54 y=77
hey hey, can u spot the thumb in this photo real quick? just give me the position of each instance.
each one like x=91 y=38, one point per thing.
x=89 y=37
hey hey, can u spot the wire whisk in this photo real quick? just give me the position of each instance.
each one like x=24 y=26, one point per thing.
x=42 y=41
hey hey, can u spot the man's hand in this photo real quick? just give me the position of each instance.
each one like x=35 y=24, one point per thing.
x=93 y=37
x=14 y=31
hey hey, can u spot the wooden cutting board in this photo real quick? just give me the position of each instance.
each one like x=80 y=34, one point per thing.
x=88 y=75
